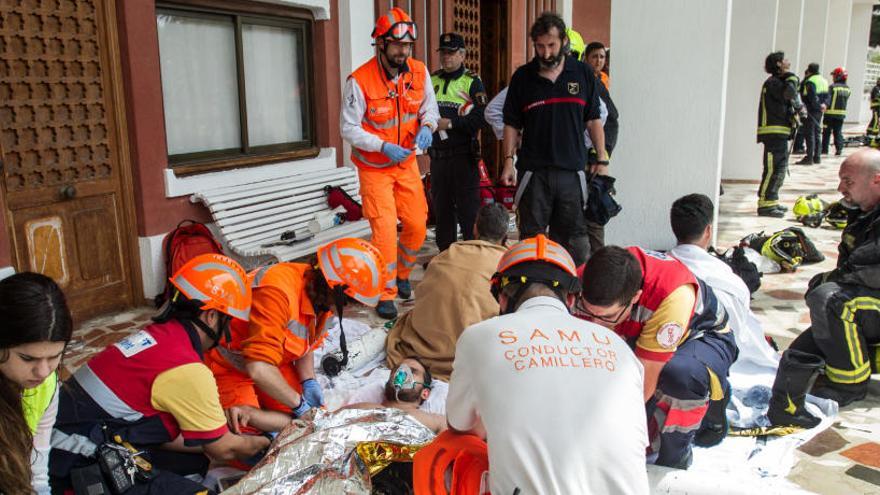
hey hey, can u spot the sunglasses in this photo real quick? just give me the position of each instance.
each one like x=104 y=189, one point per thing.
x=613 y=320
x=403 y=30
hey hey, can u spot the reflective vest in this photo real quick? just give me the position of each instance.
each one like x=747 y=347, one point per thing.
x=392 y=109
x=818 y=82
x=839 y=95
x=661 y=275
x=120 y=378
x=775 y=112
x=303 y=332
x=35 y=401
x=452 y=93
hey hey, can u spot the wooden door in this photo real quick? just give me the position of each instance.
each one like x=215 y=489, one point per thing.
x=65 y=176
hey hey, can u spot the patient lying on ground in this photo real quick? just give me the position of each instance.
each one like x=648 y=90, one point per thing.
x=406 y=389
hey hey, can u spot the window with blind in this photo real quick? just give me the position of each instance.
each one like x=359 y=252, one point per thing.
x=235 y=87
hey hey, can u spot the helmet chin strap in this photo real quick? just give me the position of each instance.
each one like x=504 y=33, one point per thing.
x=214 y=335
x=330 y=363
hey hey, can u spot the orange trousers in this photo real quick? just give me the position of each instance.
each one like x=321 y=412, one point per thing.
x=236 y=388
x=391 y=194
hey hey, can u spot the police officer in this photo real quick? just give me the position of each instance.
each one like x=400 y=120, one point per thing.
x=814 y=92
x=874 y=126
x=839 y=93
x=455 y=150
x=778 y=106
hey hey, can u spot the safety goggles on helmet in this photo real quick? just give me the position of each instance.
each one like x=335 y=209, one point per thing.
x=402 y=31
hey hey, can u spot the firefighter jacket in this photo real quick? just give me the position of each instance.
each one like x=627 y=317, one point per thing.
x=875 y=97
x=779 y=103
x=461 y=98
x=392 y=108
x=839 y=93
x=814 y=92
x=858 y=260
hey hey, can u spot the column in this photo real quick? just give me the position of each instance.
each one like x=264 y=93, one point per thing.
x=858 y=108
x=789 y=20
x=837 y=34
x=356 y=21
x=752 y=29
x=672 y=121
x=813 y=35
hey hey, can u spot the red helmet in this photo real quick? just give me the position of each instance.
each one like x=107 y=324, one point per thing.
x=397 y=25
x=839 y=74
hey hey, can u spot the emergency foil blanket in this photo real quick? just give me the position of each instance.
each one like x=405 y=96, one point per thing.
x=322 y=457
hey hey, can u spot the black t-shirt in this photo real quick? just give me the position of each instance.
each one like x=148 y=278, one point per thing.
x=552 y=115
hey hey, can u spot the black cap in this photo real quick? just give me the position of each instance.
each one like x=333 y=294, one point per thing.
x=451 y=41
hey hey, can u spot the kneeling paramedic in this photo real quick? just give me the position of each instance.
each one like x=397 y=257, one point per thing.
x=844 y=334
x=151 y=388
x=268 y=364
x=678 y=331
x=557 y=398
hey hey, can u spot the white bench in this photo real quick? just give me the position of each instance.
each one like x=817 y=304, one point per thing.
x=252 y=216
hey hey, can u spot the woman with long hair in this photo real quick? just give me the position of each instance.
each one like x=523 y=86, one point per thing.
x=36 y=327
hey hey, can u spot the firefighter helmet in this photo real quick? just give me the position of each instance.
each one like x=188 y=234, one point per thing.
x=218 y=282
x=836 y=215
x=809 y=210
x=356 y=265
x=576 y=45
x=839 y=74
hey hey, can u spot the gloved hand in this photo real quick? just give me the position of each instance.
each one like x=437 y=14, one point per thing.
x=312 y=392
x=303 y=407
x=395 y=153
x=424 y=138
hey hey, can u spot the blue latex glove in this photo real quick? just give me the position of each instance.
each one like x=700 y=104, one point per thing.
x=303 y=407
x=312 y=392
x=424 y=138
x=395 y=153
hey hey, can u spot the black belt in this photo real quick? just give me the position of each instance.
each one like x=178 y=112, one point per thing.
x=437 y=154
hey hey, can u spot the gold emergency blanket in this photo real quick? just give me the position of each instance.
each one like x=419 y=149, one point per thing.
x=321 y=457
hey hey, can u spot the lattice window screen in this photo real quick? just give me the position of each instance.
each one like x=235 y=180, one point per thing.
x=51 y=94
x=466 y=21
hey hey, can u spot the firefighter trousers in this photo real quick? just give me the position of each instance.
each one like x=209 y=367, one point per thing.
x=555 y=198
x=455 y=193
x=775 y=166
x=695 y=376
x=844 y=330
x=832 y=126
x=391 y=194
x=874 y=126
x=813 y=135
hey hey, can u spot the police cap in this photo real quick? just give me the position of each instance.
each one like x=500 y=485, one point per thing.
x=451 y=41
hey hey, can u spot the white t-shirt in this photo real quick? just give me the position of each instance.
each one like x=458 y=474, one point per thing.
x=560 y=398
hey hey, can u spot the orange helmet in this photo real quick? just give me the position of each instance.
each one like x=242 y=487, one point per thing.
x=397 y=25
x=536 y=259
x=218 y=282
x=839 y=74
x=356 y=265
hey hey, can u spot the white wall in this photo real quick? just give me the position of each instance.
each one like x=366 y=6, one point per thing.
x=837 y=36
x=752 y=30
x=789 y=18
x=356 y=20
x=813 y=35
x=672 y=120
x=857 y=54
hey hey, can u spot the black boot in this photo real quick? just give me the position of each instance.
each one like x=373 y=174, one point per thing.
x=842 y=393
x=796 y=375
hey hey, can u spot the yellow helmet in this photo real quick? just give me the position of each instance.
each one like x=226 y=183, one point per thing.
x=809 y=210
x=576 y=45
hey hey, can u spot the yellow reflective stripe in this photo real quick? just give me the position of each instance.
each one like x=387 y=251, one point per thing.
x=763 y=191
x=763 y=109
x=850 y=328
x=774 y=129
x=764 y=203
x=857 y=375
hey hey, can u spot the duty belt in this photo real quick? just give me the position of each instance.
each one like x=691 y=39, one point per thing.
x=437 y=154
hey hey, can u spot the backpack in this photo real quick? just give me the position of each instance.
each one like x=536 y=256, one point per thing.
x=741 y=266
x=188 y=240
x=487 y=194
x=337 y=196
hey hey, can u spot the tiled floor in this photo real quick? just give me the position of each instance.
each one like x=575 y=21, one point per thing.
x=843 y=460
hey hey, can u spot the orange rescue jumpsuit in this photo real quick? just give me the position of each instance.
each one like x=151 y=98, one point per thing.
x=392 y=191
x=283 y=327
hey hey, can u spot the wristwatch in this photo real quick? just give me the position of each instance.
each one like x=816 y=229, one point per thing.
x=602 y=162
